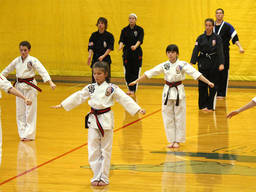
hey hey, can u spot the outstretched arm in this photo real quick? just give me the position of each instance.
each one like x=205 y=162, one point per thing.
x=245 y=107
x=17 y=93
x=239 y=46
x=202 y=78
x=139 y=79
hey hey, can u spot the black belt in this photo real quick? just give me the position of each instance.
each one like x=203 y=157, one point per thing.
x=96 y=112
x=208 y=55
x=28 y=82
x=173 y=84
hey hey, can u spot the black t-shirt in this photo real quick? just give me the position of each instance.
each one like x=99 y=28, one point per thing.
x=99 y=43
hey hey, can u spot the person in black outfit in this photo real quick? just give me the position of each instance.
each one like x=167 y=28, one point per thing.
x=227 y=33
x=101 y=43
x=130 y=41
x=210 y=61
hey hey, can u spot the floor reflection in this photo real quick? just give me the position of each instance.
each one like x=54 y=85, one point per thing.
x=26 y=159
x=131 y=147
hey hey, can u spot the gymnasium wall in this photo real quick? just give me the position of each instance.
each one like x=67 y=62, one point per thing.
x=59 y=31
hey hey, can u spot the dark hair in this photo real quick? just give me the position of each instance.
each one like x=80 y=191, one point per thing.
x=103 y=20
x=172 y=48
x=210 y=20
x=104 y=66
x=26 y=44
x=219 y=9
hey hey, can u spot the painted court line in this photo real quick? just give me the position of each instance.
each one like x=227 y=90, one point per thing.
x=72 y=150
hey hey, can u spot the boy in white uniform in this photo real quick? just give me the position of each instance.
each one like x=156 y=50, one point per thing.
x=100 y=120
x=173 y=98
x=8 y=88
x=249 y=105
x=26 y=67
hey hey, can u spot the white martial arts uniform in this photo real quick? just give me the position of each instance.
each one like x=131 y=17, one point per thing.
x=26 y=115
x=174 y=117
x=254 y=99
x=4 y=85
x=101 y=97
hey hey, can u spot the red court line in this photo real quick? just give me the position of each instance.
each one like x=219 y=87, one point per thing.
x=72 y=150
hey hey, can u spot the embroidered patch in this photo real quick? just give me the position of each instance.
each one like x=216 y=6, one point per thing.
x=91 y=88
x=135 y=33
x=178 y=69
x=109 y=91
x=213 y=42
x=29 y=65
x=167 y=66
x=105 y=44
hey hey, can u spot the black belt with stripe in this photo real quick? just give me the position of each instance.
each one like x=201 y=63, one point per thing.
x=96 y=112
x=172 y=84
x=28 y=82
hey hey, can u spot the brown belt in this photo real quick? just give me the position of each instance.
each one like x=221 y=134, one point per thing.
x=172 y=84
x=96 y=112
x=28 y=82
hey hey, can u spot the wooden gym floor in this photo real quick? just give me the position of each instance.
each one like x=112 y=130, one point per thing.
x=219 y=154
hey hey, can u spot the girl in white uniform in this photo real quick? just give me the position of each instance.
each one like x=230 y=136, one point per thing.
x=100 y=120
x=173 y=98
x=249 y=105
x=26 y=67
x=8 y=88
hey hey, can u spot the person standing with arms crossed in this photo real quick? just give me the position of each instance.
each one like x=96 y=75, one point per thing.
x=227 y=32
x=210 y=61
x=101 y=43
x=130 y=41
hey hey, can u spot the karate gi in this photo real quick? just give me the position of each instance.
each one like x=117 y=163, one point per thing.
x=99 y=147
x=26 y=115
x=4 y=85
x=227 y=32
x=132 y=60
x=174 y=117
x=254 y=99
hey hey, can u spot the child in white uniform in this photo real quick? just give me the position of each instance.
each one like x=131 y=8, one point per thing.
x=26 y=67
x=100 y=120
x=249 y=105
x=173 y=98
x=8 y=88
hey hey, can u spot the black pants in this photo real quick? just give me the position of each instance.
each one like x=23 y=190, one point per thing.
x=207 y=94
x=132 y=68
x=223 y=76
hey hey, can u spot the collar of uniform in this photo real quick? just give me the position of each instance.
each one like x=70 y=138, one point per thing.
x=102 y=84
x=25 y=59
x=135 y=27
x=174 y=62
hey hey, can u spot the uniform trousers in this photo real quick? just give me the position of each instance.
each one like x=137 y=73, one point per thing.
x=26 y=115
x=223 y=76
x=132 y=68
x=174 y=118
x=207 y=95
x=99 y=153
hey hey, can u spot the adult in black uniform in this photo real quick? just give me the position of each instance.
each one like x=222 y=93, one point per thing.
x=227 y=33
x=210 y=61
x=130 y=41
x=101 y=43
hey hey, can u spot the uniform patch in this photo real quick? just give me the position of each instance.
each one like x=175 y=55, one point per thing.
x=105 y=44
x=90 y=43
x=135 y=33
x=29 y=65
x=178 y=69
x=91 y=88
x=109 y=91
x=167 y=66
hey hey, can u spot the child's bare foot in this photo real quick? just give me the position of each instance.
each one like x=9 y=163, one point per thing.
x=170 y=146
x=176 y=145
x=102 y=183
x=204 y=109
x=95 y=183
